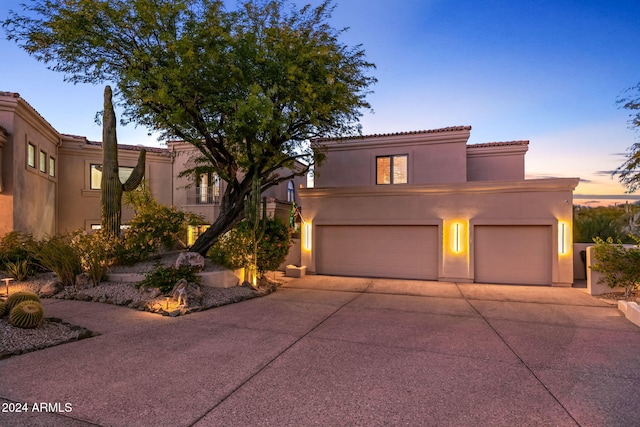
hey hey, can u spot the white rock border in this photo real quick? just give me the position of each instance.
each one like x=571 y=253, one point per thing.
x=631 y=311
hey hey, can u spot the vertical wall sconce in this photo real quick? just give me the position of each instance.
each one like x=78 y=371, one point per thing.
x=307 y=237
x=457 y=237
x=564 y=238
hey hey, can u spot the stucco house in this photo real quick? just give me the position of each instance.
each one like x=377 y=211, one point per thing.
x=427 y=205
x=50 y=182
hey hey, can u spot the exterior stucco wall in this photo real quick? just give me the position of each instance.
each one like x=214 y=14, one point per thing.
x=6 y=175
x=183 y=187
x=80 y=205
x=534 y=202
x=433 y=157
x=36 y=214
x=491 y=162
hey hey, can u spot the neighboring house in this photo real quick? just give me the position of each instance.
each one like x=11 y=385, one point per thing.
x=425 y=205
x=50 y=182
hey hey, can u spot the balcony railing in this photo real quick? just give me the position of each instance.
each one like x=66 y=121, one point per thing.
x=203 y=196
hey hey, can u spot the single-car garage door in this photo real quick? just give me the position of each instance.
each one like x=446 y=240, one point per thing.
x=513 y=254
x=395 y=251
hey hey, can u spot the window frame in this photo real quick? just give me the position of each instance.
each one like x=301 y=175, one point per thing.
x=392 y=172
x=52 y=166
x=31 y=155
x=42 y=161
x=98 y=185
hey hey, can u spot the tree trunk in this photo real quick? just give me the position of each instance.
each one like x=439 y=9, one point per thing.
x=225 y=221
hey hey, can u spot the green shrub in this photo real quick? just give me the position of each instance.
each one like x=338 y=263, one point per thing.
x=165 y=278
x=58 y=255
x=26 y=315
x=97 y=253
x=154 y=227
x=16 y=246
x=233 y=249
x=619 y=265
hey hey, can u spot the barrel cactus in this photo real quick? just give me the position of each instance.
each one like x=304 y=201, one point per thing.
x=27 y=315
x=17 y=297
x=3 y=309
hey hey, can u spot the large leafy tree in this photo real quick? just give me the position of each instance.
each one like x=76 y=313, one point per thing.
x=629 y=172
x=249 y=87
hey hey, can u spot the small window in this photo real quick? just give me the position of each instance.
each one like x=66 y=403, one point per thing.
x=31 y=155
x=52 y=166
x=291 y=192
x=391 y=169
x=95 y=175
x=43 y=161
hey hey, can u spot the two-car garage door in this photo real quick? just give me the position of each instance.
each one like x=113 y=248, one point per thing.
x=396 y=251
x=513 y=254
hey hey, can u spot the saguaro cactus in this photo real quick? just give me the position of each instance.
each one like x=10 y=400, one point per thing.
x=112 y=188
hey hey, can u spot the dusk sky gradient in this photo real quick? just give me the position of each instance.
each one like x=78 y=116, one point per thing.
x=545 y=71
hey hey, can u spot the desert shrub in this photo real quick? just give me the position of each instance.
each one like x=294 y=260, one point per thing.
x=165 y=278
x=153 y=228
x=233 y=249
x=16 y=246
x=16 y=255
x=57 y=254
x=619 y=265
x=97 y=252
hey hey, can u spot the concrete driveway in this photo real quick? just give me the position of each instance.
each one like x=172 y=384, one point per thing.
x=341 y=351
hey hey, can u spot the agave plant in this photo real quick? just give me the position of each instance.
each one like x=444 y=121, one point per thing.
x=19 y=269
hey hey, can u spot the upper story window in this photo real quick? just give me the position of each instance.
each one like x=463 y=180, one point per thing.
x=391 y=169
x=95 y=175
x=291 y=192
x=31 y=155
x=43 y=162
x=52 y=166
x=207 y=190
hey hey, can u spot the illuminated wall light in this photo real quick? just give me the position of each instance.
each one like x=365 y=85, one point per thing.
x=564 y=238
x=307 y=237
x=456 y=238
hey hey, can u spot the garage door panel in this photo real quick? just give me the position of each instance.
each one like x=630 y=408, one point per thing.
x=378 y=251
x=513 y=254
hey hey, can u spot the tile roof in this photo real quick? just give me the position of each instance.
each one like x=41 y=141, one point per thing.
x=17 y=96
x=4 y=131
x=498 y=144
x=132 y=147
x=379 y=135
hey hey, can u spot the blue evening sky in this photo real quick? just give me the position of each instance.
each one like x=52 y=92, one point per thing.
x=544 y=71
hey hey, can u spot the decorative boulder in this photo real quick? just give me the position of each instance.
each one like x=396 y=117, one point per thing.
x=187 y=294
x=83 y=281
x=190 y=259
x=51 y=288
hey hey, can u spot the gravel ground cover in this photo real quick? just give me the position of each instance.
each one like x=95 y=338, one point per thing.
x=15 y=341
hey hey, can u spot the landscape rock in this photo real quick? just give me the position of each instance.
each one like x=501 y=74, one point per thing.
x=83 y=281
x=51 y=288
x=190 y=259
x=186 y=293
